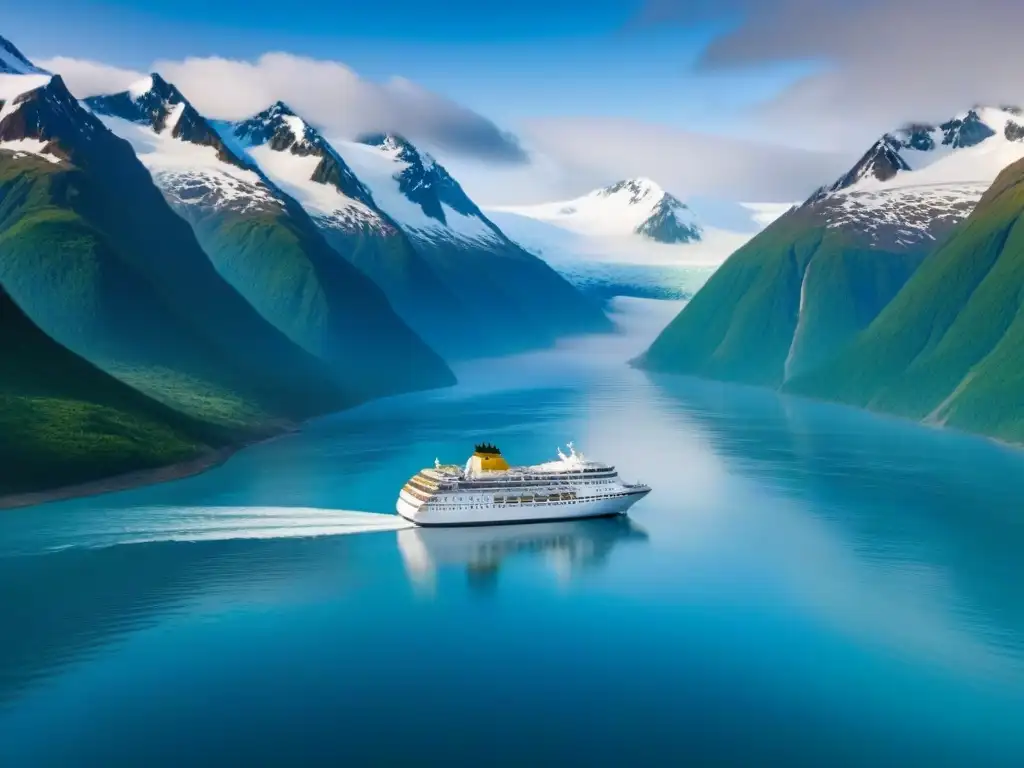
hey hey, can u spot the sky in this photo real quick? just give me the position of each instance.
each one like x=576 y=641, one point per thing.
x=539 y=100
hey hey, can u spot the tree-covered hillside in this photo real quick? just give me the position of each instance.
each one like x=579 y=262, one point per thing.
x=950 y=347
x=64 y=421
x=783 y=303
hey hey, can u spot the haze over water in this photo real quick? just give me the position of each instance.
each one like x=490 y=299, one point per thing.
x=805 y=583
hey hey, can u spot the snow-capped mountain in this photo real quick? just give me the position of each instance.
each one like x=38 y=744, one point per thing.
x=630 y=238
x=629 y=207
x=261 y=240
x=187 y=158
x=914 y=184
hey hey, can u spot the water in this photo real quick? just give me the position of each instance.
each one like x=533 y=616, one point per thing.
x=806 y=584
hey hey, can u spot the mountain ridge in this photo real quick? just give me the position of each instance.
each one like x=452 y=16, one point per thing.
x=818 y=276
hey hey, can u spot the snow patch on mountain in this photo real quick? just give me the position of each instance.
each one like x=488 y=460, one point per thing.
x=193 y=174
x=380 y=168
x=905 y=215
x=22 y=147
x=180 y=149
x=294 y=174
x=14 y=62
x=14 y=86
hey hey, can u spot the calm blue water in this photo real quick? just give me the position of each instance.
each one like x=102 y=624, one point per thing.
x=806 y=584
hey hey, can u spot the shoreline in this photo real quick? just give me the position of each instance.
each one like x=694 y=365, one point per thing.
x=137 y=479
x=127 y=481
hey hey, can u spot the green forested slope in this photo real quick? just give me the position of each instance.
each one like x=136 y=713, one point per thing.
x=63 y=421
x=783 y=303
x=949 y=347
x=280 y=262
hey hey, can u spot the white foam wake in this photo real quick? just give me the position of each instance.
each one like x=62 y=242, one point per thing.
x=138 y=525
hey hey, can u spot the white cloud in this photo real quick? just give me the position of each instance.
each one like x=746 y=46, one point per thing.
x=883 y=62
x=88 y=78
x=336 y=98
x=327 y=93
x=596 y=151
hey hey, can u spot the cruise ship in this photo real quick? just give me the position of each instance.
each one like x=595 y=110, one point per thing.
x=487 y=491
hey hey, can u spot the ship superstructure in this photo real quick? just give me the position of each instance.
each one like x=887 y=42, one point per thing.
x=486 y=490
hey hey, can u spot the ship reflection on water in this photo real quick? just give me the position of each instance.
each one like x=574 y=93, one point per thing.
x=567 y=546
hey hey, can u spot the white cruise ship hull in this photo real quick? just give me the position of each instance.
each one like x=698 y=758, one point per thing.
x=508 y=514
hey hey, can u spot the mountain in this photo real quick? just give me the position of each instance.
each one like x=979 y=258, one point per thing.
x=404 y=221
x=949 y=348
x=264 y=244
x=91 y=252
x=64 y=421
x=300 y=161
x=799 y=291
x=631 y=238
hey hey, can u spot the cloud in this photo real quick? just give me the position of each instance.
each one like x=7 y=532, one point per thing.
x=328 y=93
x=597 y=151
x=88 y=78
x=882 y=62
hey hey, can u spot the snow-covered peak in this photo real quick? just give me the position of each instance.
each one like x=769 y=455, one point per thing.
x=635 y=191
x=14 y=62
x=632 y=207
x=279 y=125
x=162 y=108
x=386 y=160
x=393 y=144
x=971 y=147
x=39 y=115
x=400 y=149
x=278 y=129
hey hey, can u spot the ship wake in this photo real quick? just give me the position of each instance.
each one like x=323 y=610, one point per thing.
x=138 y=525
